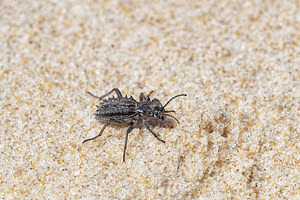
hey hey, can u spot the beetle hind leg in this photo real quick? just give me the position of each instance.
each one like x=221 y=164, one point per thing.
x=100 y=133
x=116 y=90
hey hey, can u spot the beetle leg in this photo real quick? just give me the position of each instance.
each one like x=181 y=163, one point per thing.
x=142 y=96
x=168 y=111
x=116 y=90
x=148 y=96
x=147 y=127
x=131 y=127
x=100 y=133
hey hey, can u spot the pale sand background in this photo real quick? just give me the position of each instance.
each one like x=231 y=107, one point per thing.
x=238 y=61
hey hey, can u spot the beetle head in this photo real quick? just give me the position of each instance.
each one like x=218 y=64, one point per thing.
x=159 y=110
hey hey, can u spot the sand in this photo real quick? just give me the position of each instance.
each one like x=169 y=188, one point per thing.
x=238 y=62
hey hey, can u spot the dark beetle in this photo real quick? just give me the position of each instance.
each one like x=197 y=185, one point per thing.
x=128 y=111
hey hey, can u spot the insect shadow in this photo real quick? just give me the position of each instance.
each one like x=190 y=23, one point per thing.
x=123 y=110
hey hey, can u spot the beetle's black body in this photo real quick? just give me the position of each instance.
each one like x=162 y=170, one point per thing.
x=128 y=111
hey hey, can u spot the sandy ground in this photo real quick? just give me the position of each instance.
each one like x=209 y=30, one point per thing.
x=238 y=62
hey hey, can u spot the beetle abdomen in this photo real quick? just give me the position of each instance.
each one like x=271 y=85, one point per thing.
x=115 y=111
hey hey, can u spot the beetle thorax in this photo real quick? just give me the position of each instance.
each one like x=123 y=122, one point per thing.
x=152 y=110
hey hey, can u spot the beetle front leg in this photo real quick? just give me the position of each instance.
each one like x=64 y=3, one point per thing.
x=147 y=127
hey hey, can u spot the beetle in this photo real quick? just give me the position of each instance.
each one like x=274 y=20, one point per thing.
x=125 y=110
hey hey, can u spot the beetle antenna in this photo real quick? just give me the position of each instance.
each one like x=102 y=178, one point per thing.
x=172 y=117
x=179 y=95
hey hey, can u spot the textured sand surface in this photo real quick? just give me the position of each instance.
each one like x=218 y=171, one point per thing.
x=238 y=61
